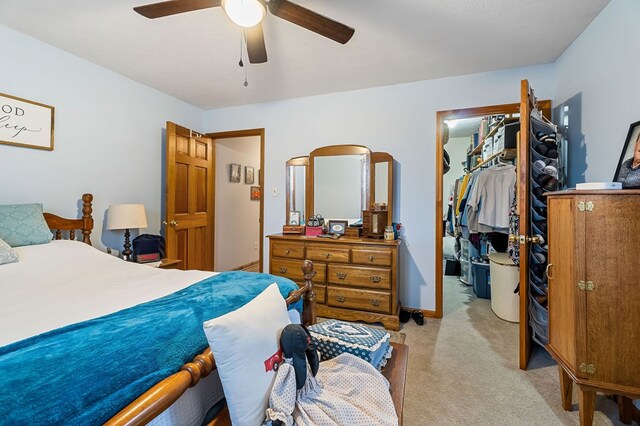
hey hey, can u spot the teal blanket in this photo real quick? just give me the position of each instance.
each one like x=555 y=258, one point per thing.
x=85 y=373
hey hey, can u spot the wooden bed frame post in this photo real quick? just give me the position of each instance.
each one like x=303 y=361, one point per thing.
x=309 y=298
x=87 y=218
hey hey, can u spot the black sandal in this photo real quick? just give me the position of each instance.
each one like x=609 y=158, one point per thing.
x=418 y=317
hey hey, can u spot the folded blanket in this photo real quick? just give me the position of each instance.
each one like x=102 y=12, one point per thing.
x=86 y=372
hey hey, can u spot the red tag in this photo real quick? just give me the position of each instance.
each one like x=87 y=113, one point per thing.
x=273 y=362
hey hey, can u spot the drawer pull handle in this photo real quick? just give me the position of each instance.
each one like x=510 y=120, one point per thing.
x=547 y=271
x=341 y=275
x=375 y=279
x=374 y=302
x=287 y=252
x=283 y=270
x=340 y=299
x=327 y=255
x=371 y=258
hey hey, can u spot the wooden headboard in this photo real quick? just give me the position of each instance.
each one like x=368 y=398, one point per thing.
x=85 y=224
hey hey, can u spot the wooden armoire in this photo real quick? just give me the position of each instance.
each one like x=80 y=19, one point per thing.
x=594 y=295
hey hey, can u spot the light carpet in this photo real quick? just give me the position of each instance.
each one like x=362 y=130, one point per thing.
x=463 y=369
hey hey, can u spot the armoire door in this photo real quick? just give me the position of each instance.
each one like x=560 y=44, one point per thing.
x=189 y=198
x=566 y=267
x=613 y=299
x=528 y=102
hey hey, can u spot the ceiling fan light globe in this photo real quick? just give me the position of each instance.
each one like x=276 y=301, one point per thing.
x=246 y=13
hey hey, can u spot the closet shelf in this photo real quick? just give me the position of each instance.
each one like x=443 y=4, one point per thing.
x=507 y=154
x=478 y=149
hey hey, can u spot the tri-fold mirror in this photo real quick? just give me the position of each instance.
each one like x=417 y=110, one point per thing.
x=338 y=182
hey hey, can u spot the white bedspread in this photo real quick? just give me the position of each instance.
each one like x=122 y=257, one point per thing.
x=65 y=282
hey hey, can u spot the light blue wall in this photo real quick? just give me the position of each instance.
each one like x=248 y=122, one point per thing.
x=398 y=119
x=109 y=134
x=598 y=76
x=109 y=129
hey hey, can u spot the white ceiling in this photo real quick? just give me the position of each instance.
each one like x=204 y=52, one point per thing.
x=194 y=56
x=463 y=127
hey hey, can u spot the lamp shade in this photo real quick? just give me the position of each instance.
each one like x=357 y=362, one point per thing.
x=126 y=216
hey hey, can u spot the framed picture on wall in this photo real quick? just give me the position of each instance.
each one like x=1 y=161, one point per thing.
x=234 y=172
x=255 y=193
x=26 y=123
x=248 y=175
x=628 y=171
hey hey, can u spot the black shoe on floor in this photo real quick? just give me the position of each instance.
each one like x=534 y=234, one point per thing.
x=418 y=317
x=405 y=315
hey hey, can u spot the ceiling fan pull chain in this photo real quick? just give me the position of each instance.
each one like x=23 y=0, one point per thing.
x=241 y=37
x=246 y=69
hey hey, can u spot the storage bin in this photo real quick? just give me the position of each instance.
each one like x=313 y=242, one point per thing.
x=465 y=273
x=452 y=267
x=481 y=280
x=487 y=148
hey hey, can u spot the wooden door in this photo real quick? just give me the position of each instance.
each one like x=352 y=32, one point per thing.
x=190 y=198
x=612 y=227
x=566 y=268
x=528 y=102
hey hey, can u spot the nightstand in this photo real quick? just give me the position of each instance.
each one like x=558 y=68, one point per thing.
x=169 y=263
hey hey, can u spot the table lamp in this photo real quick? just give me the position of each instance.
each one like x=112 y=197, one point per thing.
x=126 y=216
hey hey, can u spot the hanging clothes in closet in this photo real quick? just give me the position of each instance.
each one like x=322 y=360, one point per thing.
x=485 y=205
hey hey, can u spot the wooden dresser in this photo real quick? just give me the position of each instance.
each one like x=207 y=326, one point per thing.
x=356 y=279
x=594 y=295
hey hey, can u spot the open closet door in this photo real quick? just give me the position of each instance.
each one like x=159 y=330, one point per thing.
x=189 y=198
x=528 y=103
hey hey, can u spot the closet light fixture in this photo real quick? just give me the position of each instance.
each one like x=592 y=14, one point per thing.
x=246 y=13
x=451 y=123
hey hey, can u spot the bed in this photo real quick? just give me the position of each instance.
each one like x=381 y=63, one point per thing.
x=33 y=309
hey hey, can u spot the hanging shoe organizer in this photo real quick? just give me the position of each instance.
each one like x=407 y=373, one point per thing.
x=547 y=175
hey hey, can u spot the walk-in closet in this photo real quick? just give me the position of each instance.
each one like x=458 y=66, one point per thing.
x=498 y=164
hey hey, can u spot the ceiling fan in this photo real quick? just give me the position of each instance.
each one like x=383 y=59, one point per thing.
x=250 y=14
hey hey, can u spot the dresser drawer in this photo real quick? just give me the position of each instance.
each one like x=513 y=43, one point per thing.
x=292 y=269
x=287 y=249
x=360 y=276
x=367 y=256
x=364 y=300
x=327 y=253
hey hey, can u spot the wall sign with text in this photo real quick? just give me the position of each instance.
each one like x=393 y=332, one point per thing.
x=26 y=123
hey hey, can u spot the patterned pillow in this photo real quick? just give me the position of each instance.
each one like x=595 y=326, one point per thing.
x=334 y=337
x=7 y=254
x=23 y=225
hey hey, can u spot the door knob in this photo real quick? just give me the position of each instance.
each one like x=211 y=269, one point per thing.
x=536 y=239
x=173 y=223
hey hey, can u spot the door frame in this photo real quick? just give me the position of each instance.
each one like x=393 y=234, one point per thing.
x=241 y=134
x=441 y=116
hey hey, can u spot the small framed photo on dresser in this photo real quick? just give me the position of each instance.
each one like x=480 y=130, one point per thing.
x=294 y=218
x=338 y=227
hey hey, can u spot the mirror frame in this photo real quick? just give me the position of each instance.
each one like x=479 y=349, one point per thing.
x=376 y=158
x=335 y=150
x=296 y=161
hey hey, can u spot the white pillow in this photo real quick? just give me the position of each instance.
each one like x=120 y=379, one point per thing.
x=241 y=342
x=7 y=254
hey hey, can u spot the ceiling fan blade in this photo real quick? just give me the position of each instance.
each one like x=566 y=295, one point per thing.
x=311 y=20
x=256 y=49
x=173 y=7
